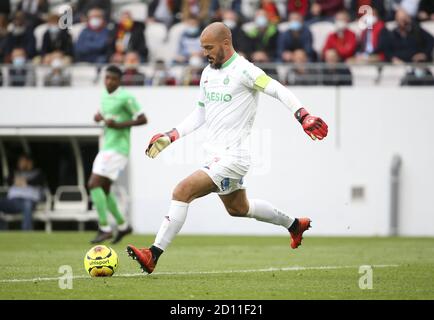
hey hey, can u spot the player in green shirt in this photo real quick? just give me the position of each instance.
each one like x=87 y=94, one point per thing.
x=119 y=111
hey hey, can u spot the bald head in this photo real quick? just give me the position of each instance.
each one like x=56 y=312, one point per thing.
x=216 y=41
x=217 y=31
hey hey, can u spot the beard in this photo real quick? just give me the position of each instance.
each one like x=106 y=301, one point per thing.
x=218 y=62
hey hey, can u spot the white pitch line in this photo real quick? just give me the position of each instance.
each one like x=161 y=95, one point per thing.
x=129 y=275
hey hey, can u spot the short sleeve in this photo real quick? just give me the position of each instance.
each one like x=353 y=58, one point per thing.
x=132 y=105
x=252 y=76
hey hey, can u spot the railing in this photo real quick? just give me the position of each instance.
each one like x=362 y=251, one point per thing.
x=152 y=74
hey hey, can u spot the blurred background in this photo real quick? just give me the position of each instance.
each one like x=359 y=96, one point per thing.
x=364 y=66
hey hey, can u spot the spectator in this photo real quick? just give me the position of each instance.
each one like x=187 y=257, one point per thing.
x=21 y=36
x=219 y=7
x=192 y=72
x=300 y=6
x=1 y=77
x=93 y=42
x=5 y=7
x=369 y=41
x=260 y=41
x=58 y=76
x=426 y=10
x=300 y=73
x=271 y=9
x=418 y=76
x=20 y=73
x=165 y=11
x=343 y=39
x=128 y=36
x=196 y=9
x=334 y=74
x=407 y=42
x=25 y=191
x=83 y=7
x=161 y=75
x=131 y=75
x=325 y=9
x=189 y=42
x=35 y=11
x=231 y=20
x=3 y=36
x=56 y=39
x=298 y=36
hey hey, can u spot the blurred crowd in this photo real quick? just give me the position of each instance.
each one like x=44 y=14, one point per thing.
x=264 y=31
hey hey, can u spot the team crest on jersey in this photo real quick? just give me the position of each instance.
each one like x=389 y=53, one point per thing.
x=226 y=80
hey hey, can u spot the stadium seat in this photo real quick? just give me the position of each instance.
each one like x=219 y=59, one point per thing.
x=39 y=35
x=40 y=213
x=320 y=32
x=173 y=39
x=76 y=29
x=354 y=27
x=392 y=75
x=139 y=11
x=364 y=75
x=84 y=75
x=70 y=204
x=428 y=26
x=155 y=35
x=391 y=25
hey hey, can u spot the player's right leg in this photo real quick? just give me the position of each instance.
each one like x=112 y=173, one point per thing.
x=194 y=186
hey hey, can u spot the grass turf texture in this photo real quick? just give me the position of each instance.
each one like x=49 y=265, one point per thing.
x=34 y=255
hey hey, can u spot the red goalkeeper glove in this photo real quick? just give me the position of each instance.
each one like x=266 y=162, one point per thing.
x=161 y=141
x=315 y=127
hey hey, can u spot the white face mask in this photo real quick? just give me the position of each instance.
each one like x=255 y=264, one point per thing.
x=230 y=23
x=18 y=30
x=19 y=61
x=261 y=21
x=95 y=23
x=340 y=25
x=57 y=63
x=195 y=61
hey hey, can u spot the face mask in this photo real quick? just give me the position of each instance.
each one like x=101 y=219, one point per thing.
x=230 y=23
x=295 y=25
x=95 y=23
x=192 y=30
x=340 y=25
x=19 y=61
x=195 y=61
x=57 y=63
x=261 y=21
x=53 y=29
x=17 y=31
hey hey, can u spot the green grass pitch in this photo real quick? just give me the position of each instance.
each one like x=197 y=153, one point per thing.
x=222 y=267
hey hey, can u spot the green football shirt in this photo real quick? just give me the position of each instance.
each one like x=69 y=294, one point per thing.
x=120 y=106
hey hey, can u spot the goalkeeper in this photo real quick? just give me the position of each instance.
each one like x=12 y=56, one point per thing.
x=229 y=91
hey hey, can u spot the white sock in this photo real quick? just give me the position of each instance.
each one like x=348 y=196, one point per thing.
x=264 y=211
x=172 y=224
x=106 y=228
x=123 y=226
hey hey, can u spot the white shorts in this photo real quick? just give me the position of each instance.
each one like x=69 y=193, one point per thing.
x=226 y=173
x=109 y=164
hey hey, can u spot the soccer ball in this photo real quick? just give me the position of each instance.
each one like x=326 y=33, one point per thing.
x=101 y=261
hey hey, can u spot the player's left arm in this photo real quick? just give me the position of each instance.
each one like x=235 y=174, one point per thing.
x=255 y=78
x=138 y=117
x=314 y=126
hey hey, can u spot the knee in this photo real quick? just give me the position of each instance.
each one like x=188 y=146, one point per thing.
x=237 y=211
x=183 y=192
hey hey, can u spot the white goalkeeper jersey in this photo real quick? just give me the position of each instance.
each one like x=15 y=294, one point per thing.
x=230 y=100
